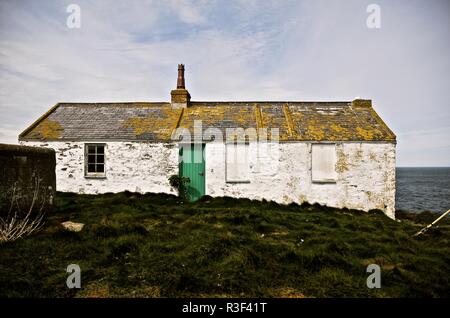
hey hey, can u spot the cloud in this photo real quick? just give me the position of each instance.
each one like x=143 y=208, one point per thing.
x=188 y=11
x=233 y=50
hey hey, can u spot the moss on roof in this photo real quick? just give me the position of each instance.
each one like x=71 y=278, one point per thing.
x=155 y=122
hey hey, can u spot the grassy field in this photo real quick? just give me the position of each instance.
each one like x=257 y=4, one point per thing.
x=155 y=246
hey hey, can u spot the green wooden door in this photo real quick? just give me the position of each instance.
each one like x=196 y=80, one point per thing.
x=192 y=165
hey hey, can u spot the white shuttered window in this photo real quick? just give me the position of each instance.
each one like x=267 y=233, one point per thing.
x=323 y=163
x=237 y=166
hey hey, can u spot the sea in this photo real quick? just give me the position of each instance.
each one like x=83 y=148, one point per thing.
x=423 y=189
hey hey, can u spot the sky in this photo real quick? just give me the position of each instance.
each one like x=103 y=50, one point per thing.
x=321 y=50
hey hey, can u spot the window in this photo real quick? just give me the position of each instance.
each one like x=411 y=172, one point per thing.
x=237 y=167
x=323 y=163
x=94 y=160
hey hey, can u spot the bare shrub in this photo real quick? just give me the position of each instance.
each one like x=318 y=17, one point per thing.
x=18 y=223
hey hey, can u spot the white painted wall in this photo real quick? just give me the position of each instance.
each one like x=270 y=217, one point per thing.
x=133 y=166
x=365 y=176
x=365 y=172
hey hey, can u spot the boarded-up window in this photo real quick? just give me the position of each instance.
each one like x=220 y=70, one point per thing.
x=237 y=166
x=95 y=160
x=323 y=163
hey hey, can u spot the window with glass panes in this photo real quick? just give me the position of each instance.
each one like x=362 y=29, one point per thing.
x=95 y=159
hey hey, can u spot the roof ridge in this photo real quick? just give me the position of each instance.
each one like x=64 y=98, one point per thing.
x=271 y=102
x=203 y=102
x=108 y=103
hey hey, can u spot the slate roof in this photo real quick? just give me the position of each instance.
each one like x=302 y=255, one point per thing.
x=154 y=122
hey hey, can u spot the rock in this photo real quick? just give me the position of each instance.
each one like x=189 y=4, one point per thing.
x=72 y=226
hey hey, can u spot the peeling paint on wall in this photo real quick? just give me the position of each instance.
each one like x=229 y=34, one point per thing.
x=365 y=172
x=364 y=184
x=132 y=166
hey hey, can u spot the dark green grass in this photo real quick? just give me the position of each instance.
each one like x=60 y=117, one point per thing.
x=154 y=246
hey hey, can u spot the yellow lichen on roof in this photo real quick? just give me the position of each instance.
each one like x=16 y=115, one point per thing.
x=315 y=130
x=365 y=134
x=274 y=118
x=219 y=116
x=295 y=121
x=160 y=125
x=258 y=117
x=339 y=124
x=48 y=129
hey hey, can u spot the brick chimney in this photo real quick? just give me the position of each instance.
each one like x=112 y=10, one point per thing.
x=180 y=97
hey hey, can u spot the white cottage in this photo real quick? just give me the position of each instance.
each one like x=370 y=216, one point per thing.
x=339 y=154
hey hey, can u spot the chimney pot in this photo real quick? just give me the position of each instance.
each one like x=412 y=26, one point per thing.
x=180 y=80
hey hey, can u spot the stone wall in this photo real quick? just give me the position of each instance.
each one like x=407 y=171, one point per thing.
x=365 y=176
x=129 y=166
x=365 y=172
x=26 y=172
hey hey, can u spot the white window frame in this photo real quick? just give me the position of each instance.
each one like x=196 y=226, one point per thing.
x=323 y=163
x=88 y=174
x=241 y=162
